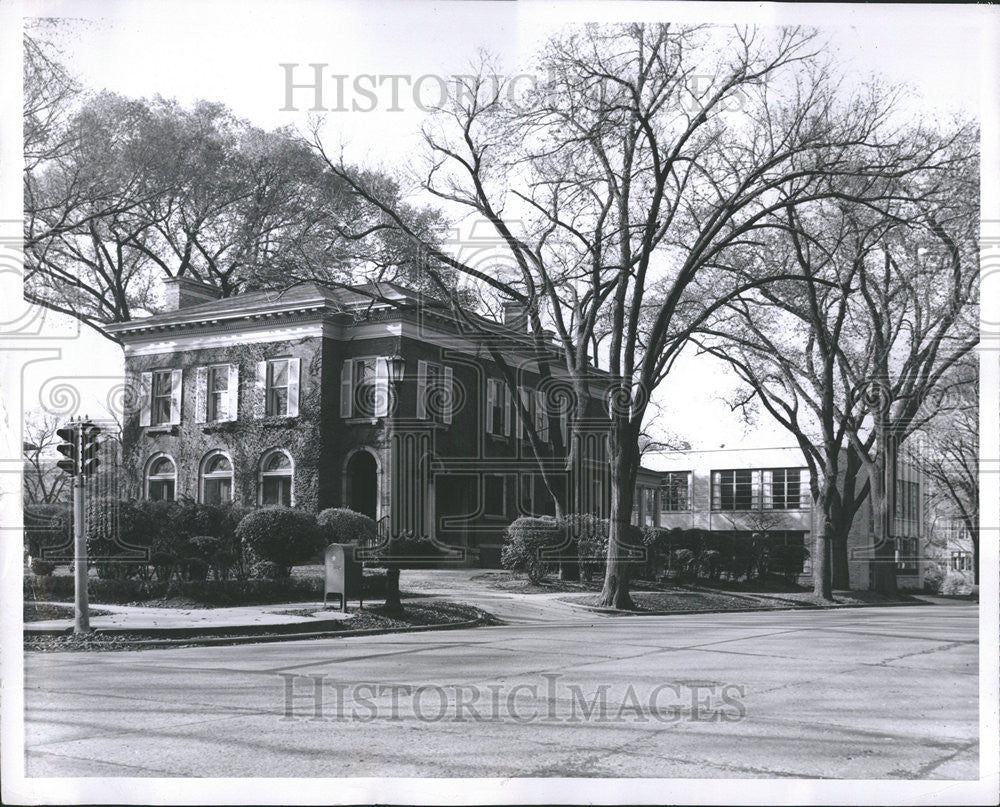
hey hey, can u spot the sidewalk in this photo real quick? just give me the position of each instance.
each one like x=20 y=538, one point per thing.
x=168 y=620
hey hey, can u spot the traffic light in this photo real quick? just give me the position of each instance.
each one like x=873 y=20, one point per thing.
x=68 y=448
x=90 y=447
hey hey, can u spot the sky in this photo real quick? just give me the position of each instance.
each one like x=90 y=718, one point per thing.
x=234 y=52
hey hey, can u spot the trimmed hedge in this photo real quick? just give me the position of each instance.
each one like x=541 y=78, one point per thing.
x=339 y=525
x=282 y=536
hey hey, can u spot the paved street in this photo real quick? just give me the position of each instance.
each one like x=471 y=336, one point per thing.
x=868 y=693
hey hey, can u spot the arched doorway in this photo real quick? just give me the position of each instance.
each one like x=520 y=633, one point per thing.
x=362 y=484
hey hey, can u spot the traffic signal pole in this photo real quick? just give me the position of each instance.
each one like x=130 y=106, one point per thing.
x=81 y=610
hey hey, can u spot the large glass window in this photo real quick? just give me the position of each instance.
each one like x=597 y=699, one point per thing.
x=216 y=479
x=162 y=390
x=276 y=402
x=732 y=490
x=276 y=479
x=782 y=489
x=161 y=480
x=675 y=492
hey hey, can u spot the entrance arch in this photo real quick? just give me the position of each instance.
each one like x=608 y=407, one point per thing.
x=361 y=483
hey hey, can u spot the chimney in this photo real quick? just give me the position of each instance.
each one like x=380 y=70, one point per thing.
x=515 y=316
x=183 y=292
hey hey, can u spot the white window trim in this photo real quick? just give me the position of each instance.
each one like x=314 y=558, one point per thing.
x=261 y=474
x=160 y=478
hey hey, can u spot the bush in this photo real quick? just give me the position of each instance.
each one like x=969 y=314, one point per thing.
x=48 y=530
x=786 y=561
x=933 y=578
x=526 y=540
x=281 y=535
x=42 y=568
x=684 y=562
x=590 y=534
x=338 y=525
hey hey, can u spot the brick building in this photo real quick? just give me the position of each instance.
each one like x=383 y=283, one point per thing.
x=767 y=490
x=373 y=399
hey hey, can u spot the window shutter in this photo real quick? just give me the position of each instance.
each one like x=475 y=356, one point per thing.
x=768 y=501
x=564 y=428
x=716 y=490
x=506 y=409
x=449 y=393
x=201 y=395
x=346 y=388
x=381 y=388
x=294 y=371
x=491 y=394
x=522 y=408
x=233 y=398
x=805 y=494
x=260 y=390
x=421 y=389
x=145 y=398
x=176 y=391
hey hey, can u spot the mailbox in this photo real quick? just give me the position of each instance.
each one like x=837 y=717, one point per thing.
x=343 y=574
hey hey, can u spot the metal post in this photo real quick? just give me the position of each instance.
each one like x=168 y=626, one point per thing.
x=81 y=611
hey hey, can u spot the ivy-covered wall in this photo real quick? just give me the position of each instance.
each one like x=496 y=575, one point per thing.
x=245 y=439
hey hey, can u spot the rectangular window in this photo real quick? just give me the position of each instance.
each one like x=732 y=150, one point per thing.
x=218 y=491
x=495 y=495
x=276 y=491
x=783 y=489
x=276 y=393
x=675 y=492
x=649 y=507
x=496 y=403
x=732 y=490
x=364 y=387
x=526 y=505
x=217 y=393
x=161 y=490
x=162 y=391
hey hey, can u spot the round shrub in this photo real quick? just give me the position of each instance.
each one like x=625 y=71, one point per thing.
x=525 y=544
x=281 y=535
x=338 y=525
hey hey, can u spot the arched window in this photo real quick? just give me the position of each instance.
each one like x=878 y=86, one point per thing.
x=161 y=479
x=216 y=479
x=275 y=484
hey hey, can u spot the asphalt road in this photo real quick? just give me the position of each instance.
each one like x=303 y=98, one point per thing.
x=867 y=693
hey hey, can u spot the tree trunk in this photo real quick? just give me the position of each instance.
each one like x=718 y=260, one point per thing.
x=822 y=586
x=840 y=572
x=392 y=599
x=624 y=463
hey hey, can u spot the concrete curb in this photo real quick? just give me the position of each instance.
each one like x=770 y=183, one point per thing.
x=207 y=636
x=805 y=607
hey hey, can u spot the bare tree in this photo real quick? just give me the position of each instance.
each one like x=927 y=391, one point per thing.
x=948 y=456
x=619 y=188
x=857 y=358
x=44 y=483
